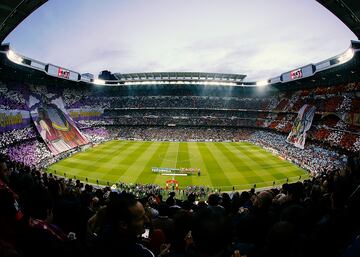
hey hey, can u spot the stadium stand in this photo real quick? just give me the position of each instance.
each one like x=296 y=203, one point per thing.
x=163 y=109
x=45 y=214
x=305 y=213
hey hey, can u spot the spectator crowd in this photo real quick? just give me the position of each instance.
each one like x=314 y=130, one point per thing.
x=43 y=215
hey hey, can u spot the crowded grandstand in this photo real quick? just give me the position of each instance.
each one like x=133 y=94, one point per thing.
x=309 y=116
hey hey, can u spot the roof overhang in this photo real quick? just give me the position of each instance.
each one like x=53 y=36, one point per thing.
x=13 y=12
x=175 y=76
x=348 y=11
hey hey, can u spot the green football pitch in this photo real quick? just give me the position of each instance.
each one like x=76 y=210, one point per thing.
x=223 y=165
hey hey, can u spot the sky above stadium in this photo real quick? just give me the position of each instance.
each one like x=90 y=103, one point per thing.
x=258 y=38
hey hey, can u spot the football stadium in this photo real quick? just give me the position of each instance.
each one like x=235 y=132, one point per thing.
x=179 y=163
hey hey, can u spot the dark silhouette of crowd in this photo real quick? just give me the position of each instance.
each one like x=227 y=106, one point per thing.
x=42 y=215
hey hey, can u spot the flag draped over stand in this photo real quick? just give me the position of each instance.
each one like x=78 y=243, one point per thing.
x=302 y=124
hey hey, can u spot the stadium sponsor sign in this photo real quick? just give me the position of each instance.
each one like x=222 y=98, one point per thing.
x=176 y=170
x=14 y=119
x=86 y=114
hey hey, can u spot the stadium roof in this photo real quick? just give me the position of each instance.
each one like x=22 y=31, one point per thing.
x=338 y=69
x=13 y=12
x=158 y=76
x=348 y=11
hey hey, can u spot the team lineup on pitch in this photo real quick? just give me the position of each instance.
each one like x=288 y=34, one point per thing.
x=223 y=165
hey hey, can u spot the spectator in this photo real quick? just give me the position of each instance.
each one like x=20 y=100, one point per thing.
x=123 y=225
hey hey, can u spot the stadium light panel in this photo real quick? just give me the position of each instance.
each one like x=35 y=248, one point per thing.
x=12 y=56
x=262 y=83
x=177 y=83
x=347 y=56
x=99 y=82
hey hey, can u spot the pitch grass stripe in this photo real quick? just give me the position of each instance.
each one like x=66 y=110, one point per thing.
x=285 y=167
x=96 y=168
x=117 y=169
x=70 y=165
x=240 y=166
x=131 y=158
x=138 y=164
x=167 y=159
x=256 y=161
x=116 y=166
x=216 y=173
x=116 y=158
x=254 y=170
x=196 y=161
x=289 y=170
x=271 y=158
x=231 y=172
x=109 y=171
x=277 y=168
x=183 y=161
x=97 y=163
x=265 y=176
x=113 y=150
x=154 y=161
x=121 y=163
x=78 y=159
x=243 y=164
x=100 y=149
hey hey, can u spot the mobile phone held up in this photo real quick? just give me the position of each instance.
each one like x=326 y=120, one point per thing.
x=146 y=233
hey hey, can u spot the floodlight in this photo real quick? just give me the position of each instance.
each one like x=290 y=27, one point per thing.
x=99 y=82
x=346 y=56
x=262 y=83
x=12 y=56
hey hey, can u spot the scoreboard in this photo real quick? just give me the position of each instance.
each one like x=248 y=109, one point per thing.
x=62 y=72
x=296 y=74
x=299 y=73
